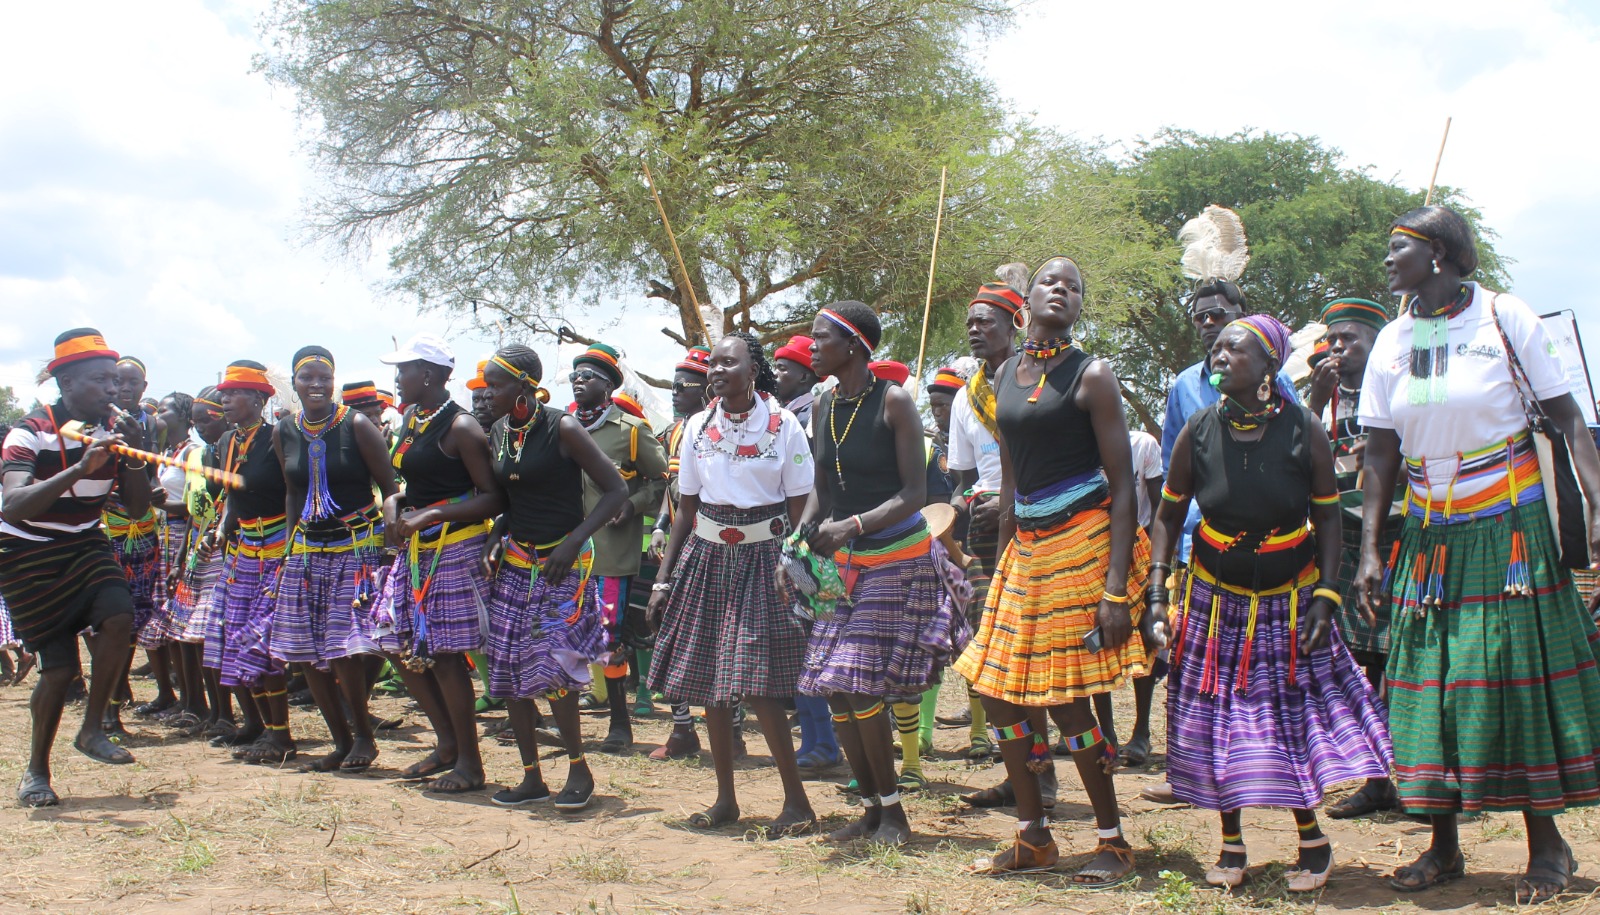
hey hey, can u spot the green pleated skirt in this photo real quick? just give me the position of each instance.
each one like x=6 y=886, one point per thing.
x=1494 y=698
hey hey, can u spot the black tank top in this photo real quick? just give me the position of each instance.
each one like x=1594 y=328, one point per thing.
x=431 y=475
x=349 y=480
x=1254 y=489
x=865 y=453
x=544 y=489
x=1052 y=439
x=264 y=493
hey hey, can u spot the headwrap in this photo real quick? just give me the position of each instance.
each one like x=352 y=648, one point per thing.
x=476 y=382
x=1398 y=229
x=849 y=328
x=1274 y=338
x=947 y=379
x=1000 y=296
x=889 y=370
x=1360 y=311
x=358 y=394
x=246 y=375
x=797 y=350
x=697 y=360
x=135 y=362
x=604 y=359
x=629 y=405
x=79 y=344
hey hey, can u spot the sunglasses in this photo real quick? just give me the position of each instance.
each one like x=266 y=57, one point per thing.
x=678 y=387
x=1210 y=314
x=584 y=376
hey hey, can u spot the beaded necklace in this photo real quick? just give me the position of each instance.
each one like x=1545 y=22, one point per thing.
x=514 y=449
x=1042 y=351
x=1244 y=420
x=833 y=432
x=729 y=443
x=416 y=425
x=592 y=419
x=319 y=499
x=243 y=449
x=1430 y=348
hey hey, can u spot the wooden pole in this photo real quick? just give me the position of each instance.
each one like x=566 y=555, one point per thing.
x=1427 y=199
x=683 y=270
x=927 y=302
x=74 y=431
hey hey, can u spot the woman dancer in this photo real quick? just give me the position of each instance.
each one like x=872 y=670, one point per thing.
x=725 y=634
x=333 y=458
x=160 y=637
x=198 y=570
x=1492 y=674
x=138 y=549
x=253 y=528
x=1266 y=706
x=545 y=622
x=436 y=593
x=1059 y=626
x=895 y=628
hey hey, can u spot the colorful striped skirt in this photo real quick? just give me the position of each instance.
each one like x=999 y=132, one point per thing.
x=1368 y=642
x=441 y=565
x=1250 y=722
x=1494 y=698
x=322 y=609
x=8 y=635
x=208 y=613
x=160 y=630
x=895 y=629
x=140 y=558
x=247 y=598
x=542 y=635
x=48 y=586
x=726 y=632
x=192 y=601
x=1042 y=602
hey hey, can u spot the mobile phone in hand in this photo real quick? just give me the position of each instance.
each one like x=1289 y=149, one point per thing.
x=1094 y=641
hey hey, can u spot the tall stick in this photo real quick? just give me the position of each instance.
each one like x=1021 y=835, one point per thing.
x=927 y=302
x=683 y=270
x=1427 y=199
x=74 y=431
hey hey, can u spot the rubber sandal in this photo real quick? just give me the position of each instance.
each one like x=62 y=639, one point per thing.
x=643 y=708
x=791 y=830
x=1560 y=879
x=36 y=792
x=354 y=763
x=588 y=703
x=1229 y=877
x=911 y=781
x=1456 y=870
x=267 y=753
x=421 y=769
x=681 y=744
x=961 y=719
x=571 y=799
x=1135 y=752
x=1360 y=804
x=702 y=820
x=1021 y=858
x=445 y=785
x=1091 y=878
x=487 y=704
x=1159 y=794
x=1000 y=795
x=515 y=797
x=101 y=749
x=617 y=743
x=981 y=751
x=1303 y=881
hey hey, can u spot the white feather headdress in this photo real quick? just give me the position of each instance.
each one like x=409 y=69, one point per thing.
x=1214 y=246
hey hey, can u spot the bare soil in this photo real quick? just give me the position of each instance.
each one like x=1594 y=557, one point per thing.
x=187 y=829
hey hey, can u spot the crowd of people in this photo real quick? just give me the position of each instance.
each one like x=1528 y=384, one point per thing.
x=1370 y=579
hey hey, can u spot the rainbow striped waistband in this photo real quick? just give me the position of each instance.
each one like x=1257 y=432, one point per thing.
x=262 y=538
x=906 y=540
x=1509 y=471
x=532 y=556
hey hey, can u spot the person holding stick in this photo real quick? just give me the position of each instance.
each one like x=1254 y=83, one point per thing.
x=58 y=572
x=199 y=568
x=1493 y=683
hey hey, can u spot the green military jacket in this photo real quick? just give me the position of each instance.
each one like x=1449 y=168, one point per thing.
x=627 y=441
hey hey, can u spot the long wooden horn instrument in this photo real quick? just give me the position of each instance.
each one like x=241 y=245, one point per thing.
x=74 y=431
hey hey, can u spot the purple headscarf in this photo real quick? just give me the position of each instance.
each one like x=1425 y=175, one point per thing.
x=1274 y=338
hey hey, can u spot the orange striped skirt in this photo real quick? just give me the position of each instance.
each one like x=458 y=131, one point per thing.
x=1029 y=648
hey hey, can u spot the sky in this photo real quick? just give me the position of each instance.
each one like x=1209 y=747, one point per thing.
x=154 y=186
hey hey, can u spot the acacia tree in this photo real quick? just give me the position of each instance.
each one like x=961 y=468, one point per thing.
x=504 y=144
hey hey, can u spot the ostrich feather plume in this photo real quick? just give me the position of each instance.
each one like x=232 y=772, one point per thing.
x=1214 y=245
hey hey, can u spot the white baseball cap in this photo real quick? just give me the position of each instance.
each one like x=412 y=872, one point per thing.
x=429 y=348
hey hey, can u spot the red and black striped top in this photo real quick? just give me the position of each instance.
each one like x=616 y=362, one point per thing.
x=36 y=448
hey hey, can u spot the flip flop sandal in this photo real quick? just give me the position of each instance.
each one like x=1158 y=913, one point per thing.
x=413 y=774
x=571 y=800
x=791 y=830
x=1456 y=870
x=1021 y=858
x=269 y=754
x=1546 y=873
x=1134 y=753
x=702 y=820
x=514 y=797
x=36 y=792
x=1000 y=795
x=1093 y=878
x=101 y=749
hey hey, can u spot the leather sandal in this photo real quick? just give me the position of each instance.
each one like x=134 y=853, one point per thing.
x=1022 y=857
x=1094 y=878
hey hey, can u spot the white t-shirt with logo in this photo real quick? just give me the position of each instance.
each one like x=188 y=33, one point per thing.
x=781 y=470
x=971 y=445
x=1146 y=467
x=1481 y=407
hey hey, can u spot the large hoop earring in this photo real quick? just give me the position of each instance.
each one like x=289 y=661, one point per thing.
x=1020 y=318
x=520 y=408
x=1264 y=392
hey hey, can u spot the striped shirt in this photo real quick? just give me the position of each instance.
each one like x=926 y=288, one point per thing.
x=35 y=447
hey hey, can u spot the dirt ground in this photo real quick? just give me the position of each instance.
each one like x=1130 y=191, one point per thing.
x=187 y=829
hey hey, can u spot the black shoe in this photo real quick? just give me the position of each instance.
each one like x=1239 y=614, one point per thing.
x=618 y=742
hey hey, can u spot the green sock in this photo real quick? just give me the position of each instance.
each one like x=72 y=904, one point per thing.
x=930 y=707
x=980 y=718
x=597 y=674
x=641 y=659
x=907 y=717
x=480 y=665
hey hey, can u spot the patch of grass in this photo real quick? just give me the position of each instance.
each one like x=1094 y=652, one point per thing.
x=195 y=857
x=307 y=806
x=599 y=866
x=1170 y=839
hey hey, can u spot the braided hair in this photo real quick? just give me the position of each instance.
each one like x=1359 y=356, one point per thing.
x=766 y=379
x=182 y=407
x=523 y=358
